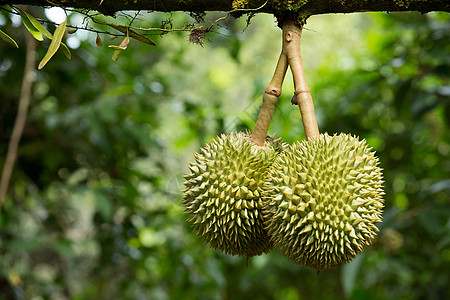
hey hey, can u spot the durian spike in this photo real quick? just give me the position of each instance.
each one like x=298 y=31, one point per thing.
x=291 y=46
x=270 y=99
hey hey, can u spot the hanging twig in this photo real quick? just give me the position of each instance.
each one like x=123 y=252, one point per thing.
x=21 y=117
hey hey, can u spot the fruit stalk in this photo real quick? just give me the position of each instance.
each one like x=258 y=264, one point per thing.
x=291 y=46
x=270 y=99
x=290 y=56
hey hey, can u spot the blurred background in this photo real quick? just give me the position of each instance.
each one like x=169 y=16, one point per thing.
x=94 y=206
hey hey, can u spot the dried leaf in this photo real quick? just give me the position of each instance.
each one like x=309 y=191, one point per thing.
x=116 y=47
x=8 y=39
x=98 y=41
x=119 y=49
x=54 y=45
x=125 y=43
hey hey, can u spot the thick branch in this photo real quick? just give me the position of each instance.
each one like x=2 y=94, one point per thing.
x=300 y=9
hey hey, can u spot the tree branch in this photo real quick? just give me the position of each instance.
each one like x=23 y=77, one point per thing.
x=300 y=9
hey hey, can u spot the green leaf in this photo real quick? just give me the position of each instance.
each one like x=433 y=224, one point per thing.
x=116 y=54
x=31 y=29
x=8 y=39
x=54 y=45
x=133 y=34
x=72 y=30
x=66 y=51
x=37 y=25
x=141 y=38
x=46 y=33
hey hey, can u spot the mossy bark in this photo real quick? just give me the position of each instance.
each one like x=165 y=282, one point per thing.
x=299 y=10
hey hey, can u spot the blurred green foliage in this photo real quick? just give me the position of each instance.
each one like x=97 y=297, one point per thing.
x=94 y=206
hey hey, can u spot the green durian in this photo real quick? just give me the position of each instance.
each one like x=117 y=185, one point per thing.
x=322 y=199
x=223 y=193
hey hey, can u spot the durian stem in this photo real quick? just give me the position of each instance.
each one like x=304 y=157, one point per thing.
x=270 y=99
x=290 y=56
x=291 y=46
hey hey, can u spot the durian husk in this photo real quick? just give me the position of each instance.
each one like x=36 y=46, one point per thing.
x=322 y=199
x=223 y=193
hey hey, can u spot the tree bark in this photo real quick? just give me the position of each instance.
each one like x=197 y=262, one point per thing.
x=297 y=9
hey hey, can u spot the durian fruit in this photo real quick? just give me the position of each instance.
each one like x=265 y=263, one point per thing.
x=322 y=199
x=223 y=193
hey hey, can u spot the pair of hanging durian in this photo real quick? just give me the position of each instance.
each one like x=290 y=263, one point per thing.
x=317 y=200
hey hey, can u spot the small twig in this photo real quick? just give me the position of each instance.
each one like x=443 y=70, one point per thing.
x=163 y=29
x=21 y=117
x=134 y=17
x=238 y=10
x=250 y=9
